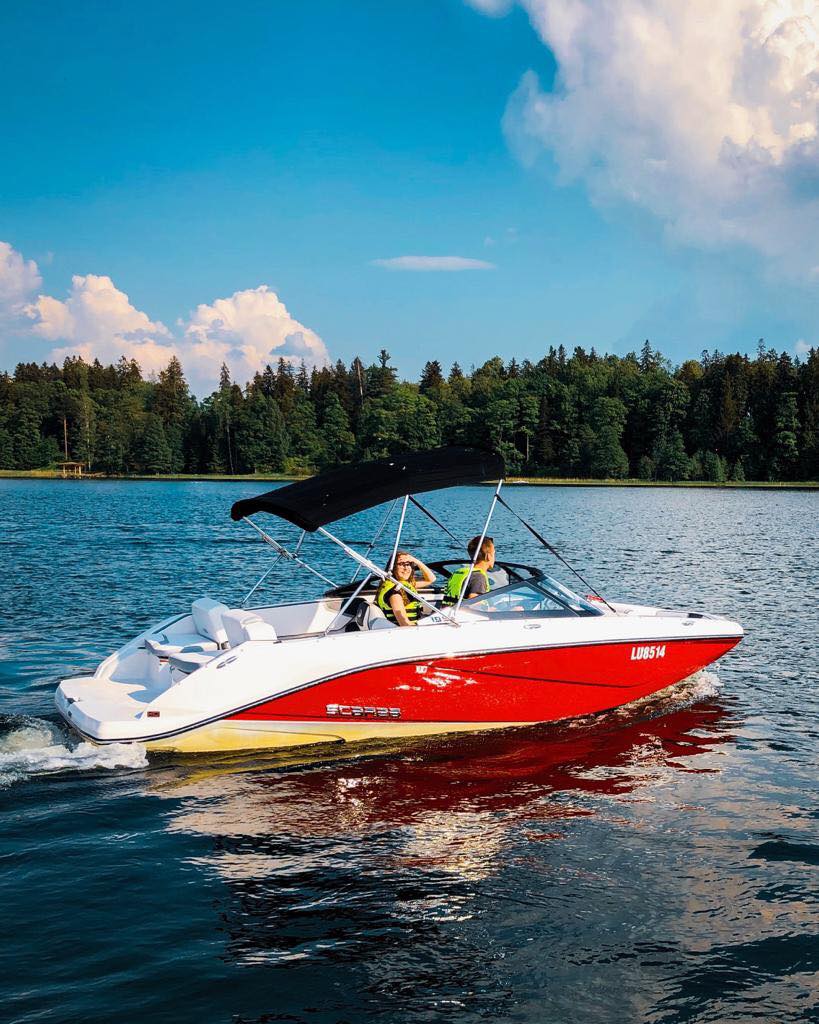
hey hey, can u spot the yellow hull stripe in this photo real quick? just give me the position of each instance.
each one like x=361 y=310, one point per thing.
x=248 y=735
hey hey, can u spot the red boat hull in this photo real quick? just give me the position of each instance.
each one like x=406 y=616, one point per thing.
x=515 y=687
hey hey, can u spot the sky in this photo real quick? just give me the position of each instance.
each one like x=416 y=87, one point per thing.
x=446 y=179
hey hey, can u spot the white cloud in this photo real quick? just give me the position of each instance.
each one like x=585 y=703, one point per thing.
x=705 y=114
x=441 y=263
x=802 y=347
x=248 y=330
x=19 y=279
x=96 y=320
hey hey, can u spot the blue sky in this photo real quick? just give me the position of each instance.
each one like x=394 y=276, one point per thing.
x=189 y=152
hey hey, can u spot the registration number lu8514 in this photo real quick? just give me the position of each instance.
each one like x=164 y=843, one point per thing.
x=647 y=652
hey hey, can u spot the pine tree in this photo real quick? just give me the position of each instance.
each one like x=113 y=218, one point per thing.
x=432 y=377
x=156 y=452
x=338 y=439
x=606 y=456
x=171 y=402
x=785 y=442
x=670 y=458
x=544 y=451
x=381 y=379
x=261 y=437
x=305 y=442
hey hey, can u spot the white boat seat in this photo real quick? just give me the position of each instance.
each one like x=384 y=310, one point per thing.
x=382 y=623
x=370 y=616
x=190 y=661
x=164 y=646
x=208 y=618
x=241 y=626
x=210 y=632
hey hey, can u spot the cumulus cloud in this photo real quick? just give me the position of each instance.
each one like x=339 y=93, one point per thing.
x=97 y=320
x=426 y=263
x=704 y=114
x=19 y=279
x=802 y=348
x=248 y=330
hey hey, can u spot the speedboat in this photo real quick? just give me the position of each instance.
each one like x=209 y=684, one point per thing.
x=332 y=668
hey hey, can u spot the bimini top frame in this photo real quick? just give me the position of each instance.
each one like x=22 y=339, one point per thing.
x=323 y=499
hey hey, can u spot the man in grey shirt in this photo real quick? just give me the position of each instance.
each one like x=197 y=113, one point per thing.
x=479 y=580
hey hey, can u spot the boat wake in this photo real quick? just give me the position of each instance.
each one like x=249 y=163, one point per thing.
x=32 y=746
x=701 y=686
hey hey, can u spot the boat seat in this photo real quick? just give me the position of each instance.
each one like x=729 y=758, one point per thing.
x=164 y=646
x=382 y=623
x=241 y=626
x=190 y=661
x=208 y=618
x=210 y=636
x=370 y=616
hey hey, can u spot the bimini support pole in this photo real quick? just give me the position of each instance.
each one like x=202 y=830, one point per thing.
x=281 y=550
x=551 y=548
x=437 y=522
x=367 y=554
x=268 y=571
x=465 y=587
x=391 y=566
x=382 y=575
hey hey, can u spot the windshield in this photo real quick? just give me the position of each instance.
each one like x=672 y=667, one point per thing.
x=541 y=597
x=574 y=601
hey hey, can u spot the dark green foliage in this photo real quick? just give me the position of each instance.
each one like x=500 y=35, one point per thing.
x=717 y=418
x=155 y=452
x=713 y=468
x=338 y=441
x=174 y=406
x=606 y=455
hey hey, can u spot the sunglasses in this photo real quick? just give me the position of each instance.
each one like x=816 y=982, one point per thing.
x=403 y=565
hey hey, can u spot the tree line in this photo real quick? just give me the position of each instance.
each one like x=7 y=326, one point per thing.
x=721 y=417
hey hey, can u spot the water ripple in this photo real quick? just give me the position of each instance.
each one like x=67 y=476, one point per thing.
x=655 y=865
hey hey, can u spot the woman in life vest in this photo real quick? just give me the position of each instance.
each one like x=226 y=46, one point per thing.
x=479 y=579
x=398 y=604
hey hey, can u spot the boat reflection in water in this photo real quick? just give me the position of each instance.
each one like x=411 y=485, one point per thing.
x=326 y=857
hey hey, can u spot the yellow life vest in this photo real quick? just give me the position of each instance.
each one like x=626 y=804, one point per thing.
x=455 y=583
x=412 y=609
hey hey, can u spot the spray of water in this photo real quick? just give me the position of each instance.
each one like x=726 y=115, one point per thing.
x=33 y=747
x=701 y=686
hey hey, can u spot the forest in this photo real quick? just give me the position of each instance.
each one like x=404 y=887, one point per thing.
x=578 y=415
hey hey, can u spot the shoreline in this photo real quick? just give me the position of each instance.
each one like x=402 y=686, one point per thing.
x=516 y=481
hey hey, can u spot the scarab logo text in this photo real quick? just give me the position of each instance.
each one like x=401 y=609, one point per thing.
x=648 y=653
x=358 y=711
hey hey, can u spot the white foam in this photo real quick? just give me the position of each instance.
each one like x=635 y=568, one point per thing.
x=37 y=747
x=700 y=686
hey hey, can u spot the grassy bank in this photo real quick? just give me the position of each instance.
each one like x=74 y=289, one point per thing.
x=55 y=474
x=790 y=485
x=758 y=485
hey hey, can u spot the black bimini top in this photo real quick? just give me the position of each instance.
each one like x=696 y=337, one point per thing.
x=337 y=493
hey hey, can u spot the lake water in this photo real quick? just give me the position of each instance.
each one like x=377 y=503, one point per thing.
x=660 y=865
